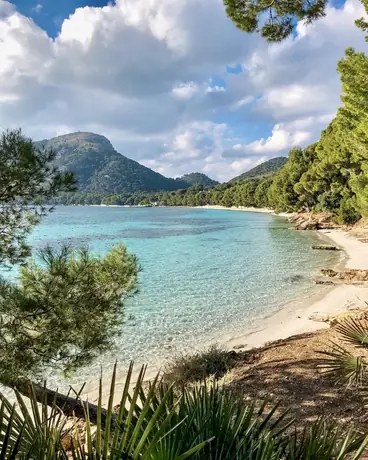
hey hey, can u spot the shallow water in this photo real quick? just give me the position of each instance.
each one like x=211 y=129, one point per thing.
x=205 y=273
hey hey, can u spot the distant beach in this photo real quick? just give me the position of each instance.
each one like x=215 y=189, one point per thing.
x=292 y=320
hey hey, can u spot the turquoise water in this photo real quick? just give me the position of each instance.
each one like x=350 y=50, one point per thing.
x=205 y=273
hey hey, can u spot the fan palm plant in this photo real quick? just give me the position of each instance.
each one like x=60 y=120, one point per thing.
x=349 y=367
x=154 y=422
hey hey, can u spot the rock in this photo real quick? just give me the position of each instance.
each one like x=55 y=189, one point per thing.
x=67 y=442
x=346 y=275
x=293 y=278
x=320 y=317
x=329 y=272
x=238 y=347
x=310 y=221
x=325 y=247
x=325 y=282
x=306 y=225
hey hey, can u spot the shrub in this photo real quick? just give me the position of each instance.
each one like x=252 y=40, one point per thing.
x=347 y=214
x=214 y=362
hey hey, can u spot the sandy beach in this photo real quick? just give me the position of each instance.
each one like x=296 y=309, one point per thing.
x=291 y=320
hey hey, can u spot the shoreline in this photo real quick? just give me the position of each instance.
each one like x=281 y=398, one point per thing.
x=292 y=319
x=295 y=319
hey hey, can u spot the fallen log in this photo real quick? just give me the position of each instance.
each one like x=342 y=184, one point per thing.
x=325 y=247
x=69 y=405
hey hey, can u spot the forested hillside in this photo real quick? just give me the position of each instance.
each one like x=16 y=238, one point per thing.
x=198 y=179
x=264 y=169
x=100 y=169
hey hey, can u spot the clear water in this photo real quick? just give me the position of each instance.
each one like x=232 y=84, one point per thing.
x=205 y=273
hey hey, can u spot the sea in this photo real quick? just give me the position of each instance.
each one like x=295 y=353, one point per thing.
x=205 y=273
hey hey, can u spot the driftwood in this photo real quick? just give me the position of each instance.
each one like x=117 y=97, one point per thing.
x=69 y=405
x=325 y=247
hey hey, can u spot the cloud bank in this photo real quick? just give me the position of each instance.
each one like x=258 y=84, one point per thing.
x=153 y=76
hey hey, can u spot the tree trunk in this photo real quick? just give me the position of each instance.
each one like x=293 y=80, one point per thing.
x=70 y=406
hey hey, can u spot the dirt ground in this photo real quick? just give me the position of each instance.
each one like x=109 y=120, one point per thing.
x=289 y=370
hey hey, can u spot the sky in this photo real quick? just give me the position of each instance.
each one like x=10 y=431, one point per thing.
x=172 y=84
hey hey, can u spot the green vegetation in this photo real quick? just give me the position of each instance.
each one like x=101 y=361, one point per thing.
x=264 y=169
x=274 y=20
x=27 y=180
x=100 y=169
x=349 y=366
x=198 y=179
x=213 y=362
x=64 y=312
x=206 y=422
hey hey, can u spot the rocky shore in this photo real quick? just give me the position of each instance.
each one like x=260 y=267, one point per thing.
x=309 y=221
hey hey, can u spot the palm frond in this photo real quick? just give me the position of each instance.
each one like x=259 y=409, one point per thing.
x=323 y=440
x=140 y=427
x=238 y=430
x=36 y=430
x=345 y=368
x=354 y=331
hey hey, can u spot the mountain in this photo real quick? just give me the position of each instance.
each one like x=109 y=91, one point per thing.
x=198 y=179
x=264 y=169
x=101 y=169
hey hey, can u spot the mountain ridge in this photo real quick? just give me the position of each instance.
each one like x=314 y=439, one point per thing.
x=101 y=169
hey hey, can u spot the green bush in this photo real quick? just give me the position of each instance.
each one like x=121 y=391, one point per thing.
x=214 y=362
x=347 y=213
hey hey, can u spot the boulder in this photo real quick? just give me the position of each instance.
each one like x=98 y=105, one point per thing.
x=320 y=317
x=346 y=275
x=306 y=225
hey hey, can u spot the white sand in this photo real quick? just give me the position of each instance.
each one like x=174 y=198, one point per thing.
x=237 y=208
x=292 y=321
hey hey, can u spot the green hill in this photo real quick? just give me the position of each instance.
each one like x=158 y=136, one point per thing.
x=264 y=169
x=198 y=179
x=101 y=169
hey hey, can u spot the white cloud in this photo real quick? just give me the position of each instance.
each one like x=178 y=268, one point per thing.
x=146 y=74
x=284 y=136
x=37 y=8
x=185 y=90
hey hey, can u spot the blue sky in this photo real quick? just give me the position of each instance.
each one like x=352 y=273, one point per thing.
x=172 y=83
x=49 y=14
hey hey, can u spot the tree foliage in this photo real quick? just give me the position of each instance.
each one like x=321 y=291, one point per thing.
x=28 y=178
x=273 y=19
x=67 y=308
x=63 y=313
